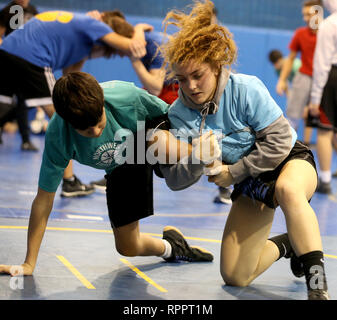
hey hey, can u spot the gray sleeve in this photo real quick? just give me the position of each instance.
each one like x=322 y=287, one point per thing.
x=181 y=175
x=273 y=145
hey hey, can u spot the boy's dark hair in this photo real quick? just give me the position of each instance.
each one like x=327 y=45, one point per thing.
x=309 y=3
x=116 y=21
x=79 y=100
x=275 y=55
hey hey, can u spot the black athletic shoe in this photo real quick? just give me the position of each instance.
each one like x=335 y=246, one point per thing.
x=181 y=250
x=224 y=196
x=28 y=146
x=318 y=294
x=324 y=187
x=76 y=188
x=99 y=184
x=295 y=265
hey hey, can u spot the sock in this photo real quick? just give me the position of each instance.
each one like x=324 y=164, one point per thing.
x=325 y=176
x=283 y=244
x=313 y=266
x=168 y=250
x=70 y=179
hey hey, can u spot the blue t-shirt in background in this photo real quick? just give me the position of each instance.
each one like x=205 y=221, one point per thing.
x=55 y=39
x=153 y=59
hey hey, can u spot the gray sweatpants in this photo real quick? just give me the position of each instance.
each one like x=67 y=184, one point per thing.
x=298 y=98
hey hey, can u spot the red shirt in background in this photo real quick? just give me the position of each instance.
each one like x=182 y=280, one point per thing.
x=304 y=41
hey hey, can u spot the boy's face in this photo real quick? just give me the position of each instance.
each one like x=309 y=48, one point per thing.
x=96 y=131
x=278 y=64
x=307 y=13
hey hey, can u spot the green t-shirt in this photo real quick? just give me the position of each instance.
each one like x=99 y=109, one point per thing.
x=124 y=104
x=296 y=66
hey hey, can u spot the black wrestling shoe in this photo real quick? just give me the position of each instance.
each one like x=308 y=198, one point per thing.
x=324 y=187
x=181 y=250
x=318 y=294
x=76 y=188
x=28 y=146
x=99 y=184
x=224 y=196
x=286 y=251
x=295 y=264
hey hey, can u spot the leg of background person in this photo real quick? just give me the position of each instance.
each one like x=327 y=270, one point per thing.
x=7 y=113
x=334 y=143
x=307 y=131
x=324 y=155
x=23 y=124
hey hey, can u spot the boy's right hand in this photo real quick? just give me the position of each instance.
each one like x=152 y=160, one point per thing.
x=17 y=270
x=281 y=87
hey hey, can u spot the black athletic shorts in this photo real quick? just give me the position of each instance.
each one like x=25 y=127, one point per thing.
x=129 y=189
x=262 y=188
x=20 y=77
x=329 y=98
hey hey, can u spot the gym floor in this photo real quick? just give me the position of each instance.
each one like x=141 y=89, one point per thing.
x=78 y=260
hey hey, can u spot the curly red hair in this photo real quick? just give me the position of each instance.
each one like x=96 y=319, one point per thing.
x=198 y=39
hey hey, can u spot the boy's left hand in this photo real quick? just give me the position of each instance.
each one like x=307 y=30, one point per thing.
x=219 y=174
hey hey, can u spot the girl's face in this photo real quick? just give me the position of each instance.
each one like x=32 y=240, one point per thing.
x=198 y=81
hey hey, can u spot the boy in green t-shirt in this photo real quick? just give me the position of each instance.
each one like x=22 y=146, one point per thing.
x=95 y=125
x=277 y=59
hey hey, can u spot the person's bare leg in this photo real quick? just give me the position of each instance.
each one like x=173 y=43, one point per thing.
x=130 y=242
x=294 y=187
x=246 y=251
x=68 y=171
x=307 y=133
x=324 y=149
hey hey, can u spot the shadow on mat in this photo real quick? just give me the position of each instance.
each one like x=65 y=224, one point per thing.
x=264 y=292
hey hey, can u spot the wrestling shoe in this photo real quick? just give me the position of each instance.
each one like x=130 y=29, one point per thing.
x=295 y=264
x=224 y=196
x=99 y=184
x=28 y=146
x=286 y=251
x=76 y=188
x=181 y=250
x=324 y=187
x=318 y=294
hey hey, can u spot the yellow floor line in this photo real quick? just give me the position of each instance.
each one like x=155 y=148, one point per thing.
x=110 y=231
x=60 y=229
x=76 y=273
x=330 y=256
x=143 y=275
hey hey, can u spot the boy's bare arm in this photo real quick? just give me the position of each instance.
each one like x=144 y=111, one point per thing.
x=41 y=208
